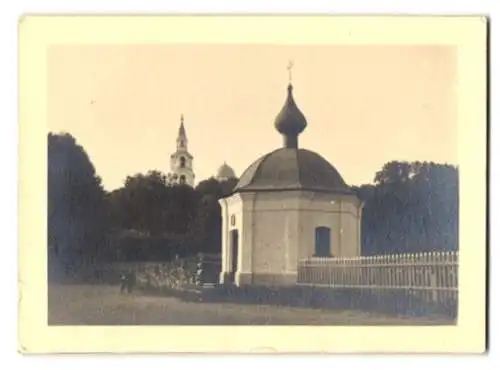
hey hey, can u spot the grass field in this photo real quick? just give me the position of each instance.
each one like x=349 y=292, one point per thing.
x=103 y=305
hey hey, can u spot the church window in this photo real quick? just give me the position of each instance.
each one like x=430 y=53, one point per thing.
x=182 y=179
x=183 y=162
x=322 y=242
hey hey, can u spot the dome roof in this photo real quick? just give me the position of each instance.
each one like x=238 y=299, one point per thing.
x=226 y=171
x=292 y=169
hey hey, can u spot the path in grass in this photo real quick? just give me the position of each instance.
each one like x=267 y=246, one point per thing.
x=103 y=305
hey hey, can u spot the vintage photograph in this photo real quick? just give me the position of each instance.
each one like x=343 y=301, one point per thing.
x=252 y=184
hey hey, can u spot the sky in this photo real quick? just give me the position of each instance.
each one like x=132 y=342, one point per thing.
x=365 y=105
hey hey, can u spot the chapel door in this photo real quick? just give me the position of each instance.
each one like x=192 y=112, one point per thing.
x=234 y=254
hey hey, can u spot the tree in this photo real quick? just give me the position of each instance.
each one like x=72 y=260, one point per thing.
x=412 y=207
x=148 y=203
x=394 y=172
x=207 y=226
x=181 y=208
x=215 y=187
x=77 y=223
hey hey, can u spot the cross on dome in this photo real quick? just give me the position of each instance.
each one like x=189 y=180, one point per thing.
x=289 y=67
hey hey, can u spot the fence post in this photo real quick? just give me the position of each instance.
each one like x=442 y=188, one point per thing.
x=433 y=286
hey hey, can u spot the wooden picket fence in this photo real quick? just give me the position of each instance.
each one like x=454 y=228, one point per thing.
x=430 y=277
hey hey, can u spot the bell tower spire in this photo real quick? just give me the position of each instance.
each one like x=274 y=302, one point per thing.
x=181 y=136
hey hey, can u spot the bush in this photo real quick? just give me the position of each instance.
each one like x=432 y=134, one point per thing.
x=170 y=275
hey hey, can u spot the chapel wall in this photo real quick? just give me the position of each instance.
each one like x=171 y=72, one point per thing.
x=231 y=207
x=276 y=232
x=351 y=226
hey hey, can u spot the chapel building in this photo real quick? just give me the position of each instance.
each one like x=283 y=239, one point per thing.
x=288 y=205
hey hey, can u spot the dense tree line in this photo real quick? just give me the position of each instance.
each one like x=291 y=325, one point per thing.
x=410 y=207
x=77 y=214
x=181 y=219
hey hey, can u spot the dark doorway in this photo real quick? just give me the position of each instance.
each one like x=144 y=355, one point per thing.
x=322 y=245
x=234 y=255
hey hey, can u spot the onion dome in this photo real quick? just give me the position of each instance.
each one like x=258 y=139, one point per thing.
x=290 y=121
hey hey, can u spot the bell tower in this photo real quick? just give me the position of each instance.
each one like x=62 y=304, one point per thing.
x=181 y=161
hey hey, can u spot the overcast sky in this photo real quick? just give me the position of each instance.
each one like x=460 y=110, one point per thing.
x=365 y=105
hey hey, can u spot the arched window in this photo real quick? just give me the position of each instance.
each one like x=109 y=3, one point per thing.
x=183 y=162
x=322 y=242
x=182 y=179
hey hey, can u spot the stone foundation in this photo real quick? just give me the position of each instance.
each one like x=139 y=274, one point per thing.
x=258 y=279
x=225 y=277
